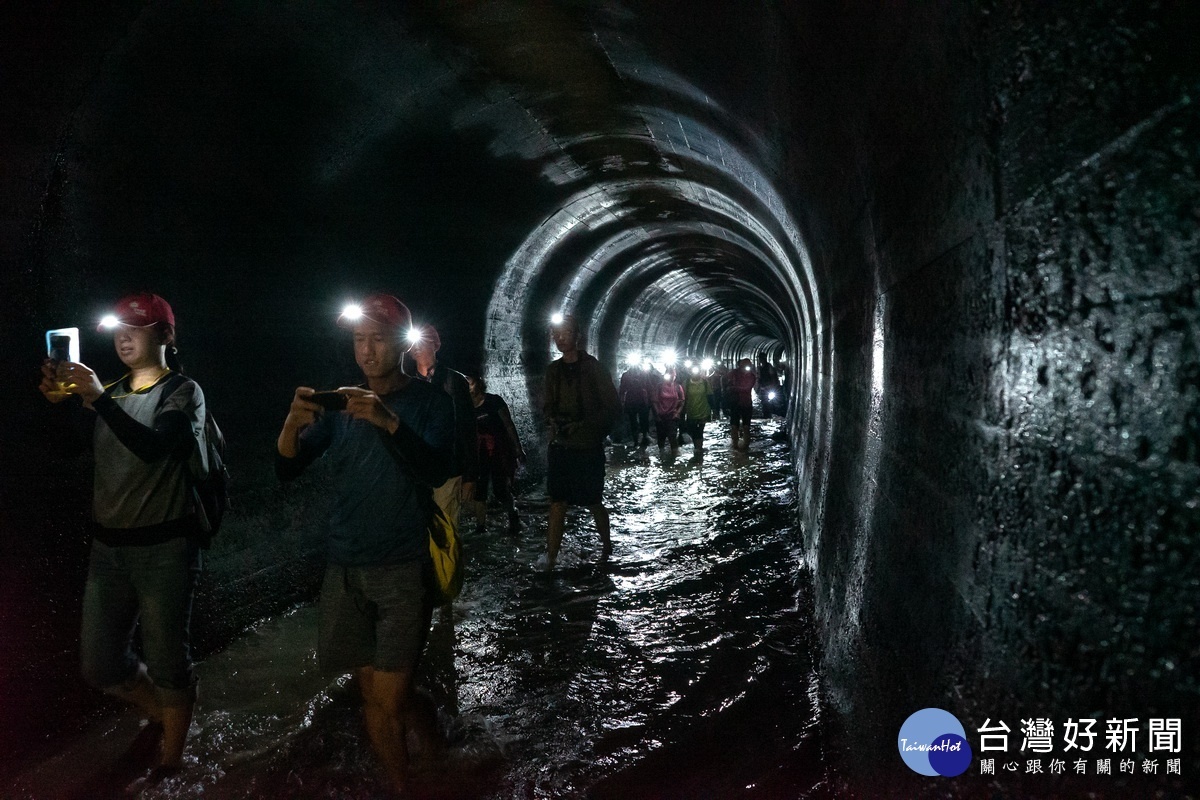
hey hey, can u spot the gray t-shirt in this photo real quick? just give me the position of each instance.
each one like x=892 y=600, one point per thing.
x=129 y=492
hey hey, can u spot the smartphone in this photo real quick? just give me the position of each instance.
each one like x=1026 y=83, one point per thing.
x=330 y=401
x=62 y=344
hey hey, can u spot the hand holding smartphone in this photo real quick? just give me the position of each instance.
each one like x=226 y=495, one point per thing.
x=330 y=401
x=62 y=344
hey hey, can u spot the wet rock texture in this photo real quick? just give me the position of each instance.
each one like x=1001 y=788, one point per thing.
x=972 y=227
x=1035 y=506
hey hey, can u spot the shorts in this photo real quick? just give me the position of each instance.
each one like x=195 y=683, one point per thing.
x=151 y=586
x=374 y=617
x=575 y=477
x=741 y=415
x=496 y=471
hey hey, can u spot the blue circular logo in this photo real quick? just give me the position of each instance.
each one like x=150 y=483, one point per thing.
x=934 y=742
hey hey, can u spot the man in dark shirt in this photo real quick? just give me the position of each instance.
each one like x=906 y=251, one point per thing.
x=581 y=405
x=461 y=483
x=392 y=442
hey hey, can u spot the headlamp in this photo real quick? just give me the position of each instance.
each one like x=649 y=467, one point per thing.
x=556 y=318
x=110 y=321
x=413 y=335
x=706 y=364
x=352 y=312
x=770 y=395
x=668 y=356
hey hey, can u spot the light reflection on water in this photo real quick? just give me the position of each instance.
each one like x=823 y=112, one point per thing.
x=683 y=668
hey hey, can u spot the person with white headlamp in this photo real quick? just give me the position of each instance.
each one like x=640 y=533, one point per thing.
x=580 y=408
x=460 y=486
x=386 y=440
x=667 y=403
x=634 y=393
x=146 y=533
x=696 y=410
x=740 y=389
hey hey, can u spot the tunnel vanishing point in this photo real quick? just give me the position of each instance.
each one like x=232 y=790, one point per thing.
x=973 y=230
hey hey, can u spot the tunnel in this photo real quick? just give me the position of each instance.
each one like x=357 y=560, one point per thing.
x=971 y=232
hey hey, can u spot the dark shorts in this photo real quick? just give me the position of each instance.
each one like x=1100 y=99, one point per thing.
x=575 y=477
x=498 y=471
x=741 y=415
x=150 y=586
x=373 y=617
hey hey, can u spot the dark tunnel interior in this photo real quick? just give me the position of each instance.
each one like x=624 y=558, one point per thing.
x=971 y=230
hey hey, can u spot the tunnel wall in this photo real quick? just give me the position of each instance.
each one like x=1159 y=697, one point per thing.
x=1009 y=525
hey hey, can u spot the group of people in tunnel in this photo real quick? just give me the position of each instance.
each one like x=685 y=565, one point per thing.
x=648 y=391
x=397 y=445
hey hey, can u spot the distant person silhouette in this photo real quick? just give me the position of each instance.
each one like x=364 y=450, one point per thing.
x=580 y=407
x=500 y=453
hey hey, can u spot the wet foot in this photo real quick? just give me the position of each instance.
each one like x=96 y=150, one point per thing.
x=153 y=777
x=143 y=750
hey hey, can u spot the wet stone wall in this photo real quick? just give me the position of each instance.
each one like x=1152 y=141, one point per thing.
x=1094 y=516
x=1011 y=511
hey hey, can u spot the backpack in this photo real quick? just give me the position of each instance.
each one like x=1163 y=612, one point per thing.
x=206 y=472
x=445 y=549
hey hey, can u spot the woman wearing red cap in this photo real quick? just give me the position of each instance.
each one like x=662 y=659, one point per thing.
x=145 y=559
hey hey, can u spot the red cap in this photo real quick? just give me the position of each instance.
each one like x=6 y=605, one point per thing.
x=142 y=310
x=430 y=334
x=381 y=308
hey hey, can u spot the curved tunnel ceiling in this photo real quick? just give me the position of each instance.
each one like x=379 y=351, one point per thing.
x=671 y=233
x=658 y=218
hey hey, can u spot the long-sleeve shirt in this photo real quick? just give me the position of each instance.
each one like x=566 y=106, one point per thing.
x=379 y=516
x=142 y=441
x=466 y=454
x=634 y=390
x=740 y=384
x=668 y=400
x=581 y=402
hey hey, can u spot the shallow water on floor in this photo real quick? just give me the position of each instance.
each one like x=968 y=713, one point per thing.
x=682 y=667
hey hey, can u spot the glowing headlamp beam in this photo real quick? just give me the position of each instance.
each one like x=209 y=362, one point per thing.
x=110 y=321
x=352 y=312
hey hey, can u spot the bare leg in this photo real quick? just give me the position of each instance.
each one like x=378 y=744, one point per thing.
x=554 y=531
x=176 y=720
x=600 y=514
x=140 y=692
x=386 y=701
